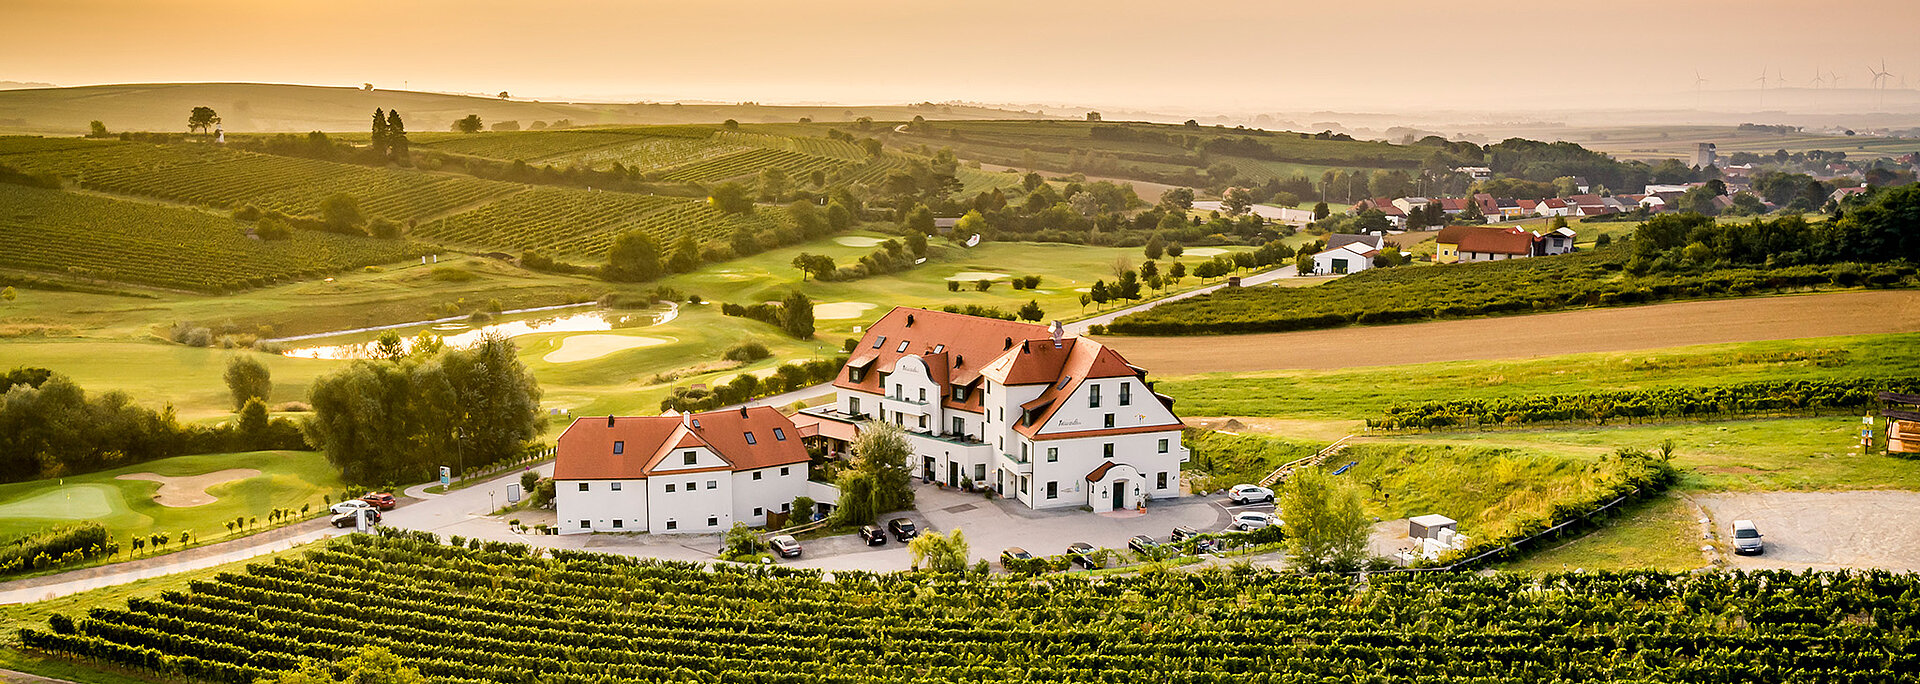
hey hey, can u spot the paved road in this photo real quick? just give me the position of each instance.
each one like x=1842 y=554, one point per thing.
x=1822 y=530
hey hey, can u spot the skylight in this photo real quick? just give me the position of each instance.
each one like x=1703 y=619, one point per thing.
x=903 y=346
x=750 y=438
x=1064 y=379
x=879 y=341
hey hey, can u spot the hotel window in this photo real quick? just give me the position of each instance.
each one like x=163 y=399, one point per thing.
x=616 y=486
x=757 y=511
x=671 y=524
x=756 y=474
x=619 y=448
x=586 y=524
x=689 y=458
x=959 y=394
x=617 y=523
x=1053 y=489
x=669 y=489
x=1093 y=396
x=979 y=472
x=783 y=471
x=1023 y=452
x=750 y=438
x=1023 y=484
x=693 y=486
x=959 y=426
x=1126 y=393
x=713 y=521
x=923 y=422
x=583 y=486
x=1053 y=454
x=1109 y=420
x=1163 y=480
x=786 y=507
x=779 y=435
x=1106 y=450
x=713 y=484
x=1163 y=446
x=923 y=395
x=853 y=405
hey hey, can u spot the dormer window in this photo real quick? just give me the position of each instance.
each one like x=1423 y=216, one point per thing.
x=879 y=341
x=938 y=348
x=688 y=458
x=696 y=423
x=750 y=438
x=780 y=434
x=903 y=346
x=619 y=448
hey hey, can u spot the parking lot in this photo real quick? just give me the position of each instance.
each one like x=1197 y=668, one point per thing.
x=993 y=525
x=1822 y=530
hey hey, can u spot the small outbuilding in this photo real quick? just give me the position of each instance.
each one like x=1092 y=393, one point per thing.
x=1429 y=526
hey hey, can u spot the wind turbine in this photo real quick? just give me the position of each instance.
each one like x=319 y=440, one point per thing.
x=1818 y=80
x=1833 y=77
x=1779 y=78
x=1762 y=80
x=1699 y=82
x=1880 y=77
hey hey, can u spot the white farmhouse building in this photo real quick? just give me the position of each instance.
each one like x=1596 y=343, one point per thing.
x=1006 y=406
x=697 y=472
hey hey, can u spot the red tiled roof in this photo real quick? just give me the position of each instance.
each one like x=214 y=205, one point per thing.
x=1063 y=369
x=1487 y=239
x=585 y=450
x=1099 y=472
x=967 y=344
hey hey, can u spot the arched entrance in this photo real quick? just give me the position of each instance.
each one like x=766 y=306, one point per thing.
x=1115 y=486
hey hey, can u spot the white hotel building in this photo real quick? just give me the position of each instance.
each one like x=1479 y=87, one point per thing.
x=698 y=472
x=1050 y=422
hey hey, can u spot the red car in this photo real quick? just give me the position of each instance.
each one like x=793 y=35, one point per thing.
x=381 y=500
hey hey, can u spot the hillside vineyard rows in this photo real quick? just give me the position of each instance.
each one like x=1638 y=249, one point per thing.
x=462 y=615
x=98 y=237
x=580 y=222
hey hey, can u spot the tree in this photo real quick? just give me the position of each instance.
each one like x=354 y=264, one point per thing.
x=1177 y=200
x=202 y=119
x=9 y=294
x=920 y=220
x=397 y=146
x=839 y=217
x=1155 y=246
x=917 y=243
x=686 y=254
x=371 y=665
x=633 y=257
x=1085 y=299
x=1237 y=201
x=739 y=543
x=1031 y=311
x=378 y=143
x=1326 y=527
x=970 y=224
x=97 y=129
x=1099 y=292
x=796 y=315
x=253 y=424
x=341 y=213
x=470 y=124
x=878 y=480
x=774 y=183
x=247 y=378
x=1321 y=211
x=938 y=552
x=731 y=198
x=1175 y=249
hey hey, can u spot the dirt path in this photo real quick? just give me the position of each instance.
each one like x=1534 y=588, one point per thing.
x=1508 y=337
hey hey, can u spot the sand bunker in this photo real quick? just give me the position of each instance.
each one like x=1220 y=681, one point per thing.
x=77 y=502
x=584 y=347
x=186 y=492
x=857 y=241
x=835 y=311
x=1203 y=251
x=969 y=276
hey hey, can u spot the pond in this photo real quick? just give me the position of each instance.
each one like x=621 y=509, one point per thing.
x=460 y=332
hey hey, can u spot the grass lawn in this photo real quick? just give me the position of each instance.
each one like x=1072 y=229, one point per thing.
x=1660 y=534
x=1358 y=393
x=287 y=479
x=13 y=617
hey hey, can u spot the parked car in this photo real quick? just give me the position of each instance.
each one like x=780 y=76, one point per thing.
x=1746 y=538
x=350 y=506
x=1252 y=520
x=1183 y=532
x=902 y=529
x=1082 y=553
x=1142 y=543
x=873 y=535
x=1014 y=553
x=381 y=500
x=349 y=518
x=1246 y=494
x=785 y=546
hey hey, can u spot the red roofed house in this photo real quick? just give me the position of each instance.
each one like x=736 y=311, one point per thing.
x=698 y=472
x=1047 y=420
x=1482 y=243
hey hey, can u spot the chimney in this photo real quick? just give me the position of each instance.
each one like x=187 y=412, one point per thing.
x=958 y=359
x=909 y=320
x=686 y=419
x=1009 y=344
x=1023 y=346
x=609 y=421
x=1056 y=330
x=743 y=410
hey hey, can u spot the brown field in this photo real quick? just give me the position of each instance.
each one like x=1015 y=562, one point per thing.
x=1550 y=334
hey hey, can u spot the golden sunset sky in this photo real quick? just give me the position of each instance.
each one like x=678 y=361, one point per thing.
x=1276 y=55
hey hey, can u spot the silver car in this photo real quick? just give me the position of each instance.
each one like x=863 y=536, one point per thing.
x=1746 y=538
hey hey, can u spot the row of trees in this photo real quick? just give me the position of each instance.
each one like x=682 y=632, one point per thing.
x=398 y=419
x=1879 y=229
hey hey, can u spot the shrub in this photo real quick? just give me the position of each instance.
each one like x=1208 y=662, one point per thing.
x=748 y=352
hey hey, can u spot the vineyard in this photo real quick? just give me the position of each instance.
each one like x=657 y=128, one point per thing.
x=528 y=145
x=646 y=153
x=108 y=239
x=583 y=223
x=746 y=163
x=1752 y=398
x=217 y=177
x=500 y=613
x=1413 y=293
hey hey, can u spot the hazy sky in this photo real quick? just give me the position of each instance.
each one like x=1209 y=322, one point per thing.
x=1197 y=54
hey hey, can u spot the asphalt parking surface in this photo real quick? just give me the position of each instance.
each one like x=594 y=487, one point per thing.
x=1822 y=530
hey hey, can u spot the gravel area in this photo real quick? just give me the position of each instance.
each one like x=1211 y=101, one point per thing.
x=1822 y=530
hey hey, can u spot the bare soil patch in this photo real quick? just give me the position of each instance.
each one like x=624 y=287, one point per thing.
x=1821 y=530
x=185 y=492
x=1549 y=334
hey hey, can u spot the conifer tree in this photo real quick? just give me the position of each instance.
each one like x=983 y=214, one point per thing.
x=396 y=135
x=379 y=144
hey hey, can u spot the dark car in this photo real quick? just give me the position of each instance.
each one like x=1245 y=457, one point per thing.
x=903 y=529
x=1082 y=554
x=381 y=500
x=1183 y=532
x=348 y=519
x=1014 y=553
x=1142 y=543
x=873 y=536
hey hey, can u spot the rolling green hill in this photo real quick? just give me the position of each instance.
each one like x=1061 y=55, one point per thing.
x=263 y=107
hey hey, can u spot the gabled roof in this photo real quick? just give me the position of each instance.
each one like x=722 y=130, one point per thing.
x=1064 y=369
x=1338 y=240
x=1487 y=239
x=966 y=345
x=585 y=450
x=1353 y=248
